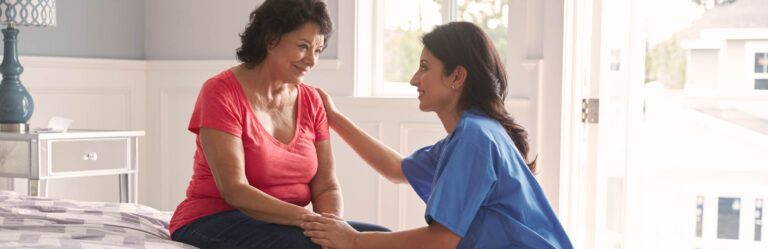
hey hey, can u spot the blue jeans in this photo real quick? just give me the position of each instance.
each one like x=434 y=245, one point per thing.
x=233 y=229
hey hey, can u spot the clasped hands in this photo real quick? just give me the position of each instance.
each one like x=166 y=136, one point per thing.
x=329 y=231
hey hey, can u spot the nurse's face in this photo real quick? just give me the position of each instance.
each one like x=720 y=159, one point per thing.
x=435 y=90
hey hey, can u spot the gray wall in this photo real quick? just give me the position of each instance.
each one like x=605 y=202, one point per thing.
x=194 y=29
x=153 y=30
x=203 y=29
x=89 y=28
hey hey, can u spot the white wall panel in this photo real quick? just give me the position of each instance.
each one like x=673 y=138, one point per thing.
x=95 y=94
x=176 y=161
x=414 y=136
x=89 y=109
x=359 y=183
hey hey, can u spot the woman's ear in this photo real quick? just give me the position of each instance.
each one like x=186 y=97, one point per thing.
x=459 y=76
x=271 y=42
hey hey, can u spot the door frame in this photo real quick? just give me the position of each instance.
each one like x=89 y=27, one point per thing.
x=584 y=67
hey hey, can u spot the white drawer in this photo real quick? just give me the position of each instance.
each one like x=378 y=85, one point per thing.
x=83 y=155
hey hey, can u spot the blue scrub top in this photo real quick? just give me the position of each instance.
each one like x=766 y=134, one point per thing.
x=477 y=185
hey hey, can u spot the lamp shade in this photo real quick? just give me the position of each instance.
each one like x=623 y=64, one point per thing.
x=39 y=13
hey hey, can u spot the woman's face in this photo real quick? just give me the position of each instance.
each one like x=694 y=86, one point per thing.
x=296 y=53
x=434 y=87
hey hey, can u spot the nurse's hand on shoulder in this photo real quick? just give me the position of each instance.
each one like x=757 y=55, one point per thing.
x=330 y=108
x=329 y=231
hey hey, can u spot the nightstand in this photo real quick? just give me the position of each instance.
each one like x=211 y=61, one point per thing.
x=75 y=153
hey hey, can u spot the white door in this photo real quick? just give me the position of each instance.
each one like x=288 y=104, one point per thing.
x=617 y=89
x=604 y=83
x=604 y=73
x=619 y=79
x=671 y=162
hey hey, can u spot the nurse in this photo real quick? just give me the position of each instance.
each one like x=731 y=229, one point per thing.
x=477 y=182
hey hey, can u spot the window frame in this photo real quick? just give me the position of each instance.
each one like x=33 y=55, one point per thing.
x=759 y=75
x=752 y=49
x=765 y=56
x=369 y=73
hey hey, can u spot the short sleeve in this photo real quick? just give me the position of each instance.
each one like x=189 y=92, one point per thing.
x=217 y=108
x=319 y=117
x=465 y=178
x=419 y=169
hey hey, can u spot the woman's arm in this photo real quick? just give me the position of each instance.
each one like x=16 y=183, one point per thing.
x=330 y=231
x=379 y=156
x=225 y=156
x=326 y=193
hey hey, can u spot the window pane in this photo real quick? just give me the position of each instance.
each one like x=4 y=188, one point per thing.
x=728 y=218
x=686 y=97
x=699 y=215
x=761 y=84
x=758 y=219
x=492 y=16
x=404 y=23
x=761 y=62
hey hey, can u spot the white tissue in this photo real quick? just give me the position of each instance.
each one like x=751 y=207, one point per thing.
x=56 y=124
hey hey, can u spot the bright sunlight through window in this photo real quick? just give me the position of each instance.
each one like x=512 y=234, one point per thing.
x=396 y=37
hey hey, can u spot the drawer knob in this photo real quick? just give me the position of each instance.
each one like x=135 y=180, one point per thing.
x=90 y=156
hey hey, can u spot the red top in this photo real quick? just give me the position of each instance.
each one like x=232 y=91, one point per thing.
x=280 y=170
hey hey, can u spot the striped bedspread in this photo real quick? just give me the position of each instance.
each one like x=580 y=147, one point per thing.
x=35 y=222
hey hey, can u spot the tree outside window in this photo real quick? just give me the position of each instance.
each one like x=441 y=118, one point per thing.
x=406 y=21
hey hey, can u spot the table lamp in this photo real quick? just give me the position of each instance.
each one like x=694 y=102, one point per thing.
x=16 y=105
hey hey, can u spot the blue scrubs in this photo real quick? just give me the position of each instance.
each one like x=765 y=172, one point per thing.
x=477 y=185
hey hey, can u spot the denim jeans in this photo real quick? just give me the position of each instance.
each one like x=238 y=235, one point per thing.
x=233 y=229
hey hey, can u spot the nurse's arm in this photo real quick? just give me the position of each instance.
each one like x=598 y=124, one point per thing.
x=379 y=156
x=333 y=232
x=433 y=236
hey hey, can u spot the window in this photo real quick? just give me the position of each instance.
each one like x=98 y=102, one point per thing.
x=654 y=109
x=761 y=71
x=388 y=54
x=761 y=62
x=699 y=216
x=758 y=219
x=728 y=211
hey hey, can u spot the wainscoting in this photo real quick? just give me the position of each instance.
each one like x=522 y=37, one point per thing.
x=158 y=97
x=96 y=94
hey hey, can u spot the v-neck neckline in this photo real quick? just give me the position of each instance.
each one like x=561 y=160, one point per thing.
x=258 y=122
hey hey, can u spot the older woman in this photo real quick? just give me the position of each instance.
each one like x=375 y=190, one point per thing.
x=262 y=139
x=477 y=182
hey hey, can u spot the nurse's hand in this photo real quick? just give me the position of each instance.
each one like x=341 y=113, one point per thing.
x=330 y=108
x=329 y=231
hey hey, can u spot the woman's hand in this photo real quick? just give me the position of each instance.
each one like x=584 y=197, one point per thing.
x=329 y=231
x=330 y=108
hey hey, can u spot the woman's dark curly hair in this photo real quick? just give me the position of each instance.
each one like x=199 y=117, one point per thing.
x=465 y=44
x=274 y=18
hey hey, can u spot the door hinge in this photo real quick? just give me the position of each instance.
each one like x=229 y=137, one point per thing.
x=590 y=111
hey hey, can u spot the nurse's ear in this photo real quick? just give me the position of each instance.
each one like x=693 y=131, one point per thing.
x=458 y=77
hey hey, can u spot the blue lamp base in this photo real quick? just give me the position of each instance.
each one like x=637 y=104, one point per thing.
x=16 y=104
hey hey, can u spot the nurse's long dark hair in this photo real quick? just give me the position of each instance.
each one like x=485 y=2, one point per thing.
x=465 y=44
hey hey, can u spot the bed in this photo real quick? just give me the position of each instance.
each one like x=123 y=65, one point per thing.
x=38 y=222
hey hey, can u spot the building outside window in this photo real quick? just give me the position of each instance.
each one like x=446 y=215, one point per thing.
x=761 y=71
